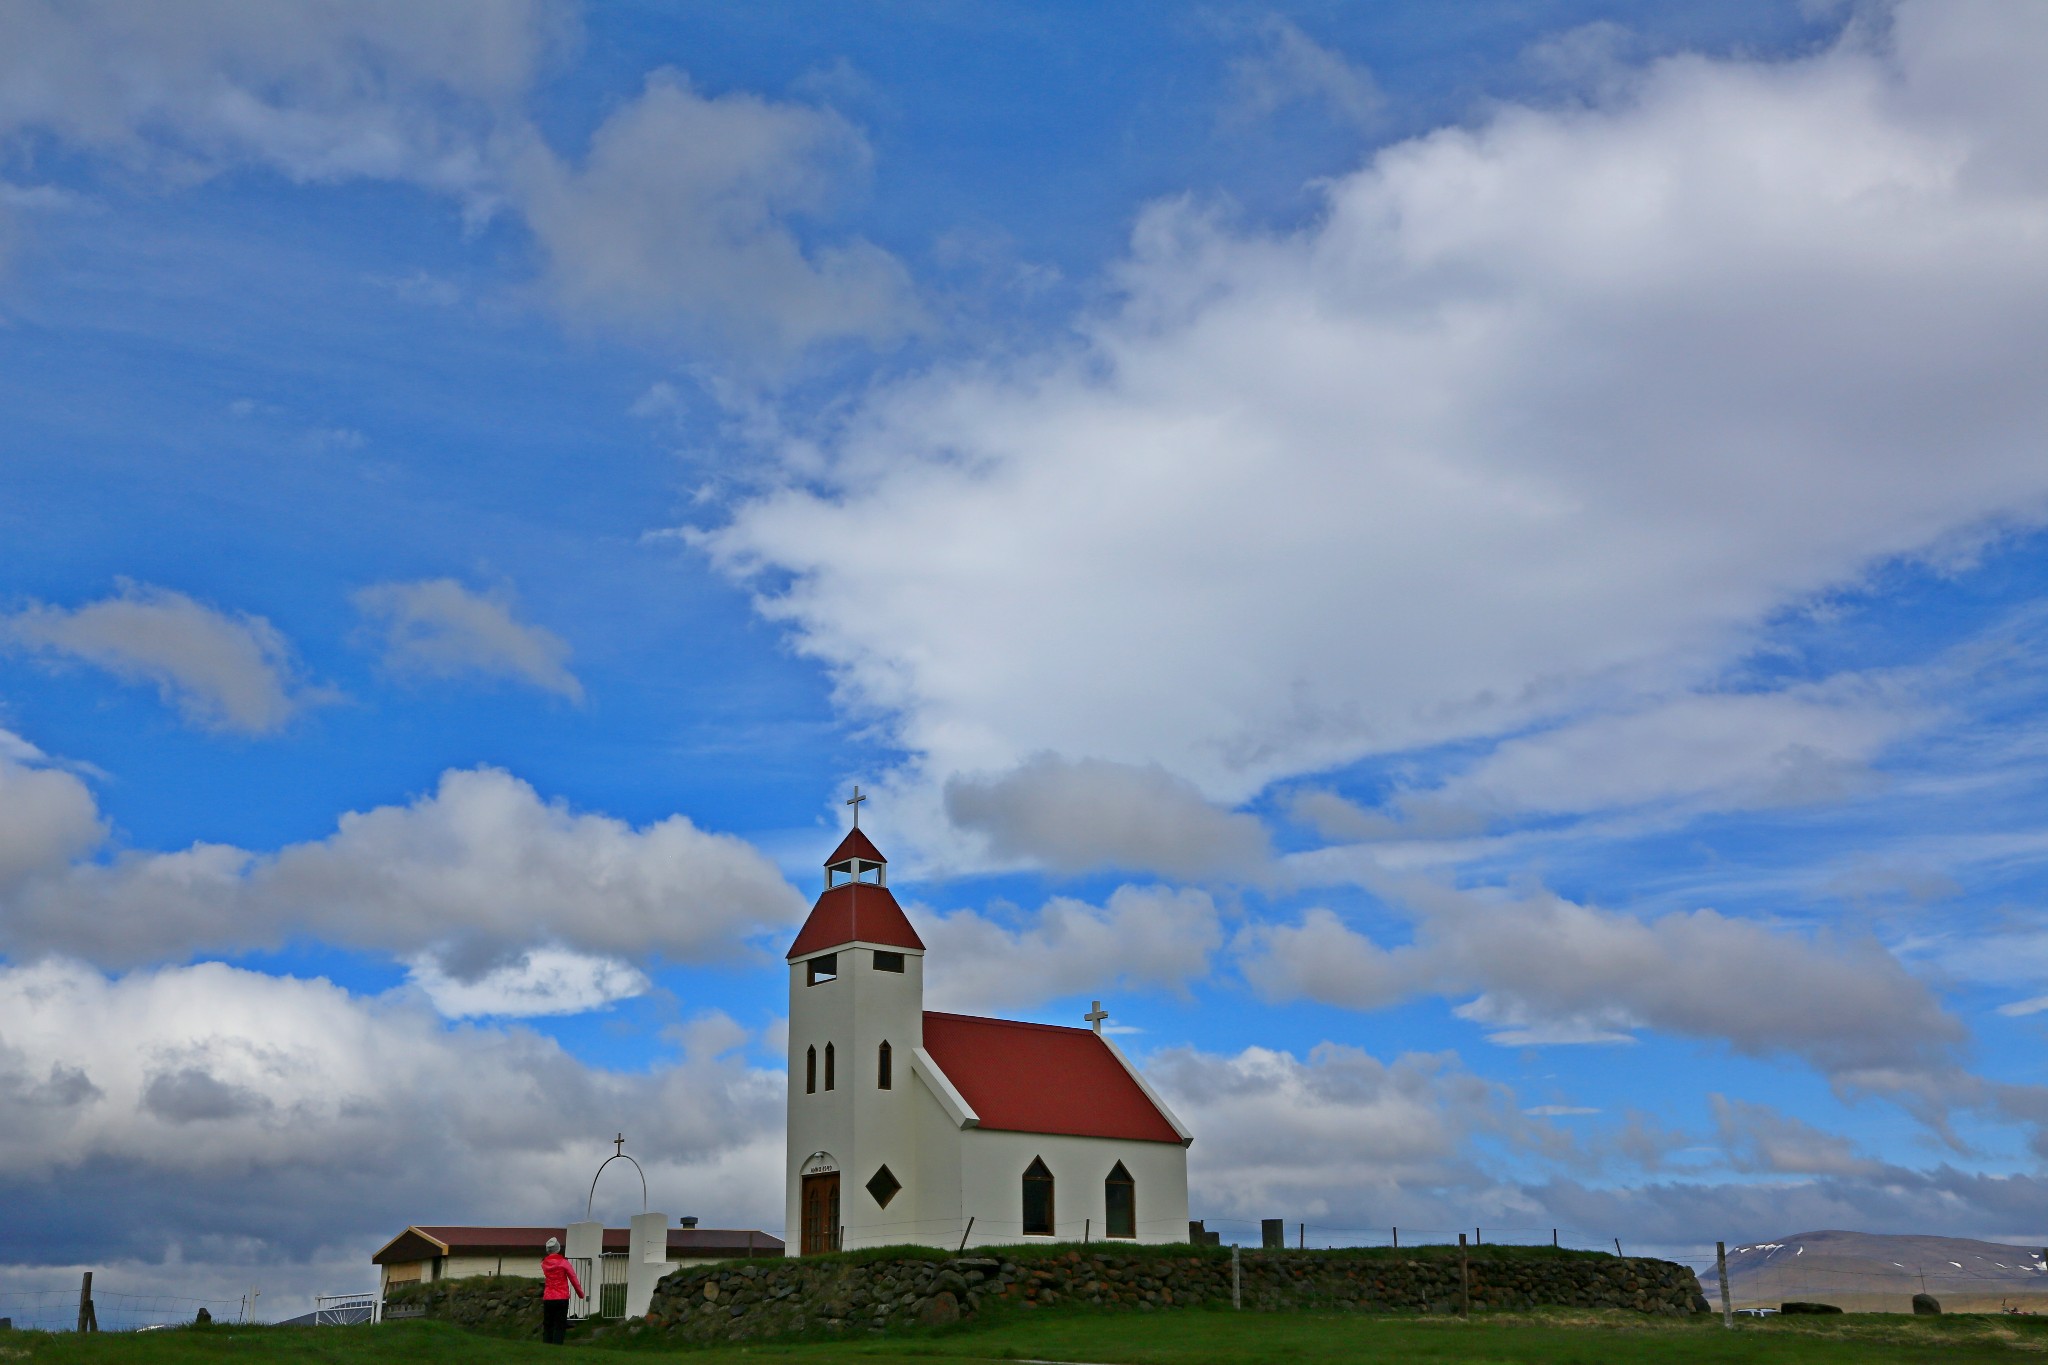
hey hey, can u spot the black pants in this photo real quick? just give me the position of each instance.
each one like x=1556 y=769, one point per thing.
x=554 y=1320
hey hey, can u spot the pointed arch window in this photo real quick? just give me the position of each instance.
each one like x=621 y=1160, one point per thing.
x=1038 y=1204
x=811 y=1071
x=885 y=1068
x=828 y=1066
x=1120 y=1203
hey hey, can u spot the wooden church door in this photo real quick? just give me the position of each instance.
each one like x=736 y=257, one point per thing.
x=821 y=1213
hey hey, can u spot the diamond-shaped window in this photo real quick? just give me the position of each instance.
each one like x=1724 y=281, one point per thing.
x=883 y=1185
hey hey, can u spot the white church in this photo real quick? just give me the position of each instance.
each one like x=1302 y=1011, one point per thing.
x=908 y=1125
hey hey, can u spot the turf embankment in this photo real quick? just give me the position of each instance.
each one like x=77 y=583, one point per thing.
x=1210 y=1337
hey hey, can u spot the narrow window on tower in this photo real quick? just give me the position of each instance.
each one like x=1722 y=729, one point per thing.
x=823 y=968
x=811 y=1071
x=828 y=1066
x=884 y=1069
x=1037 y=1199
x=1120 y=1202
x=888 y=962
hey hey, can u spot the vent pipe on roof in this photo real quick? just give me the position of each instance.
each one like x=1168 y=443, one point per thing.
x=687 y=1222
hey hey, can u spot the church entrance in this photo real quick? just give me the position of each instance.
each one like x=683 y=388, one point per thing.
x=821 y=1213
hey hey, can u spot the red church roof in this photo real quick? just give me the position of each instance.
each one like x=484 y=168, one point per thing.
x=1042 y=1078
x=855 y=845
x=855 y=910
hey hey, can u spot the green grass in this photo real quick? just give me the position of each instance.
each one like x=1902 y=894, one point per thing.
x=1184 y=1338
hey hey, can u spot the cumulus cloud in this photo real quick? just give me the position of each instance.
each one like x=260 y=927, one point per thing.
x=1549 y=969
x=1142 y=937
x=1289 y=67
x=197 y=1102
x=323 y=91
x=678 y=221
x=1542 y=412
x=223 y=671
x=1330 y=1134
x=542 y=981
x=1076 y=816
x=679 y=217
x=440 y=628
x=47 y=816
x=1757 y=1137
x=475 y=875
x=1707 y=751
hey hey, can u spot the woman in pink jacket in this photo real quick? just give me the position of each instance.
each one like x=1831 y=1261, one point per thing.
x=557 y=1275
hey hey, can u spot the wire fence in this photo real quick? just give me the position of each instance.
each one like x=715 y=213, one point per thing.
x=58 y=1310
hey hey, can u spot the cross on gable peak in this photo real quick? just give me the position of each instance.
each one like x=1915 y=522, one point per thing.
x=1096 y=1015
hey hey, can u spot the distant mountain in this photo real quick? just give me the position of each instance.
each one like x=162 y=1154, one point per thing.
x=1875 y=1272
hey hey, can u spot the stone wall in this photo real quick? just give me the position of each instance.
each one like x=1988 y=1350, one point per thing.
x=833 y=1295
x=505 y=1306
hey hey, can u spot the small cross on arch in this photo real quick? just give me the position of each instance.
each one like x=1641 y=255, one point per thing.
x=855 y=801
x=1096 y=1016
x=620 y=1143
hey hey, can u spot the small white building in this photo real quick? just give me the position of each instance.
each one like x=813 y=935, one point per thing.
x=907 y=1125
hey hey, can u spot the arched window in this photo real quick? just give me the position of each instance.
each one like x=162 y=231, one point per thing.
x=828 y=1066
x=811 y=1071
x=885 y=1069
x=1120 y=1202
x=1037 y=1199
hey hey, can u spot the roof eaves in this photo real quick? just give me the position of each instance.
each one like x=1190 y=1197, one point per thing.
x=948 y=1095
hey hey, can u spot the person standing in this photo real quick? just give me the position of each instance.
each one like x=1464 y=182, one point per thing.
x=558 y=1275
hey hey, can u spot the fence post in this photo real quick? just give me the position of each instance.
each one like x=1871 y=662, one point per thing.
x=1464 y=1280
x=964 y=1232
x=1553 y=1239
x=1397 y=1239
x=1236 y=1278
x=1617 y=1246
x=1721 y=1264
x=1086 y=1225
x=1303 y=1234
x=87 y=1319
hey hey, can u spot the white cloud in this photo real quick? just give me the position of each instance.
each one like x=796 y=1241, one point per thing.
x=1557 y=1111
x=1292 y=68
x=1758 y=1137
x=1330 y=1134
x=475 y=875
x=440 y=628
x=542 y=981
x=1548 y=969
x=1079 y=816
x=1718 y=751
x=678 y=219
x=325 y=90
x=1143 y=937
x=2020 y=1008
x=47 y=816
x=222 y=671
x=194 y=1103
x=1539 y=414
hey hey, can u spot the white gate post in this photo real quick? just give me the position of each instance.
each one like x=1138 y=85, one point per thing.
x=646 y=1261
x=585 y=1246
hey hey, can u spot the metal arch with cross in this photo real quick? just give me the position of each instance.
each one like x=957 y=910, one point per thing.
x=619 y=1143
x=1096 y=1016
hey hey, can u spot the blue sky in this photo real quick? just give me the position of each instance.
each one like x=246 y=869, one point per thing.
x=1479 y=577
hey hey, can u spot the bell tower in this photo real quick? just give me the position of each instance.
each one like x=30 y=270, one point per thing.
x=856 y=1014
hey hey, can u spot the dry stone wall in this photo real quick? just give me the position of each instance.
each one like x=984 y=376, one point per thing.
x=828 y=1295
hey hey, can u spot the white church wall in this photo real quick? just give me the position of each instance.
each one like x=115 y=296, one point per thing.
x=937 y=1187
x=992 y=1185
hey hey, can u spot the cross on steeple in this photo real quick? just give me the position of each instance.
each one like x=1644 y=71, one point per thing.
x=1096 y=1016
x=855 y=803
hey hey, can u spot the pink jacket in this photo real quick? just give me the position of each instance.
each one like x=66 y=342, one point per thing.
x=559 y=1275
